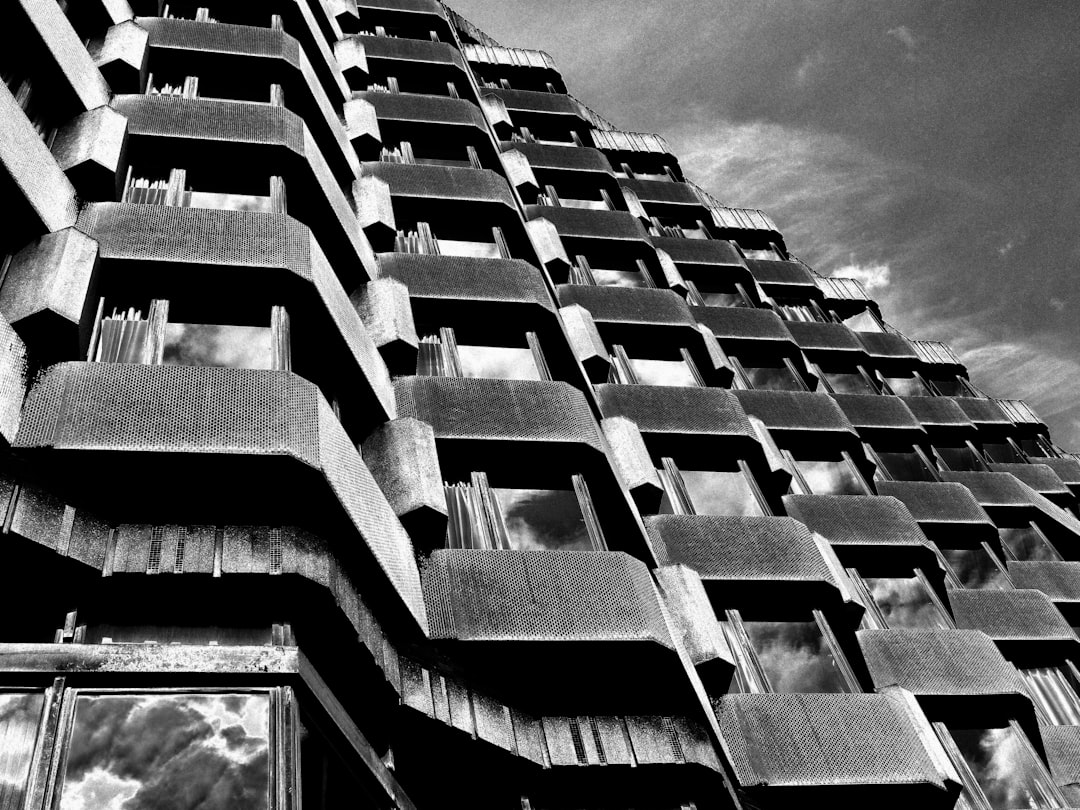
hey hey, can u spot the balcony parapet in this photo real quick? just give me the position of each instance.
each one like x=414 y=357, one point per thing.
x=206 y=424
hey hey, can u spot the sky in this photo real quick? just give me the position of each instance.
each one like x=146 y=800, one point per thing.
x=930 y=149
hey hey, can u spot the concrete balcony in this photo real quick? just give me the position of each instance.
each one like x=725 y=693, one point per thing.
x=219 y=140
x=231 y=60
x=844 y=750
x=102 y=428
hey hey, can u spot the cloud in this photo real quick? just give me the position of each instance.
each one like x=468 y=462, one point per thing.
x=168 y=752
x=196 y=344
x=955 y=172
x=904 y=36
x=872 y=276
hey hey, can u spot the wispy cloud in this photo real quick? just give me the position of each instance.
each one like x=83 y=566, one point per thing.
x=905 y=36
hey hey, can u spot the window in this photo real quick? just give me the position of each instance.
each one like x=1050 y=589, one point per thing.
x=904 y=602
x=716 y=293
x=626 y=370
x=804 y=313
x=846 y=380
x=912 y=386
x=787 y=656
x=977 y=568
x=551 y=197
x=20 y=714
x=175 y=190
x=207 y=344
x=1000 y=766
x=622 y=278
x=865 y=321
x=423 y=241
x=952 y=386
x=126 y=337
x=440 y=355
x=764 y=374
x=184 y=751
x=904 y=465
x=1027 y=543
x=523 y=519
x=961 y=458
x=1037 y=447
x=710 y=492
x=836 y=476
x=1005 y=452
x=761 y=250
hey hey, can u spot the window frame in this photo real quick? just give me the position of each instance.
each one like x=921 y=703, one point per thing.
x=678 y=493
x=750 y=674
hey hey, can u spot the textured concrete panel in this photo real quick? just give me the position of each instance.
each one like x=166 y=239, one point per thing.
x=403 y=460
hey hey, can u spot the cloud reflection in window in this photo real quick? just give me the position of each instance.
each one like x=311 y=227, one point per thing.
x=1027 y=544
x=1004 y=767
x=543 y=520
x=663 y=372
x=168 y=752
x=974 y=568
x=830 y=477
x=905 y=602
x=19 y=716
x=720 y=493
x=205 y=344
x=795 y=657
x=497 y=363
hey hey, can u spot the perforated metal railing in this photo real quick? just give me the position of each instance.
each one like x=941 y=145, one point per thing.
x=740 y=548
x=541 y=595
x=12 y=380
x=821 y=739
x=464 y=278
x=521 y=410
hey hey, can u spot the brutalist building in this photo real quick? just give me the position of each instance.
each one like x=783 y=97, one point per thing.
x=384 y=428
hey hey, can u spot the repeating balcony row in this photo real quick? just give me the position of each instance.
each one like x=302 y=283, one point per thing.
x=937 y=667
x=565 y=443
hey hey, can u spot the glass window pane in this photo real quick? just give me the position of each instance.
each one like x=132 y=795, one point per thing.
x=497 y=362
x=772 y=378
x=905 y=467
x=1001 y=452
x=231 y=202
x=905 y=602
x=619 y=278
x=175 y=751
x=848 y=382
x=907 y=386
x=830 y=477
x=543 y=519
x=863 y=322
x=1004 y=767
x=974 y=568
x=1033 y=447
x=207 y=344
x=795 y=657
x=475 y=250
x=723 y=299
x=19 y=717
x=948 y=386
x=1027 y=544
x=960 y=459
x=761 y=253
x=663 y=372
x=720 y=493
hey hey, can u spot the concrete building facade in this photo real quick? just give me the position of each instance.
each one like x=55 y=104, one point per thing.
x=382 y=427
